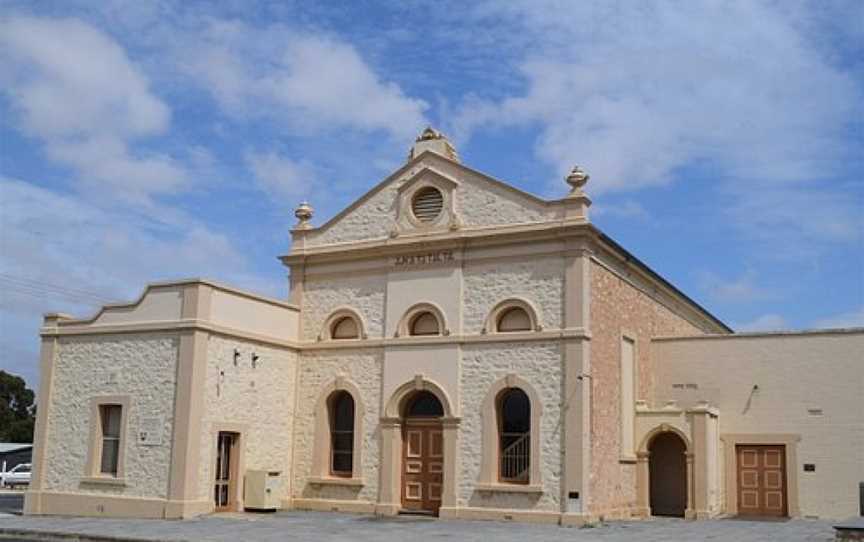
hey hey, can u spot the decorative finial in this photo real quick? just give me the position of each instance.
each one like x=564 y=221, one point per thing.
x=577 y=179
x=303 y=212
x=429 y=134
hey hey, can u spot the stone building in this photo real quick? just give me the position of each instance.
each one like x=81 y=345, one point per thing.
x=450 y=345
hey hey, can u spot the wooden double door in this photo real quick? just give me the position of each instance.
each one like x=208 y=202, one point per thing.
x=422 y=466
x=761 y=480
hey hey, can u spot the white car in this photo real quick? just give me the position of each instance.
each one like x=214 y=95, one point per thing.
x=19 y=475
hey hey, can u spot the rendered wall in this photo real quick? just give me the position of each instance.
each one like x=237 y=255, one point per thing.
x=618 y=308
x=142 y=366
x=798 y=375
x=260 y=399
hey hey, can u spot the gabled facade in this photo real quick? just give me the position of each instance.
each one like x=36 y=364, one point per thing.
x=451 y=345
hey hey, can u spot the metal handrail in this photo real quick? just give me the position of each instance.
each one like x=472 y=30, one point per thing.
x=515 y=456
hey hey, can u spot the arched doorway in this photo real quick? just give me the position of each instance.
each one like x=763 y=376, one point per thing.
x=667 y=467
x=422 y=453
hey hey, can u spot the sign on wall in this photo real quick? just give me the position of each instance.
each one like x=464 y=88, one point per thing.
x=424 y=258
x=150 y=431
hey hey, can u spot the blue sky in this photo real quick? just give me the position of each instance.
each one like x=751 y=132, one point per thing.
x=144 y=141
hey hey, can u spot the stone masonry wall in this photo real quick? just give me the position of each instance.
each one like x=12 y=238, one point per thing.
x=539 y=281
x=483 y=365
x=262 y=398
x=478 y=203
x=142 y=366
x=318 y=369
x=363 y=293
x=617 y=307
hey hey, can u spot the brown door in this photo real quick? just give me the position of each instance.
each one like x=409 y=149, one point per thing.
x=422 y=465
x=761 y=480
x=224 y=490
x=667 y=474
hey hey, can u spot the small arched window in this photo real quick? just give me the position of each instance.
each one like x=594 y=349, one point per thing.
x=425 y=323
x=514 y=319
x=345 y=328
x=514 y=436
x=424 y=404
x=342 y=434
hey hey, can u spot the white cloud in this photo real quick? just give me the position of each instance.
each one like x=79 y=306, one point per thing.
x=854 y=318
x=309 y=81
x=636 y=92
x=766 y=322
x=63 y=253
x=627 y=209
x=280 y=176
x=742 y=289
x=75 y=88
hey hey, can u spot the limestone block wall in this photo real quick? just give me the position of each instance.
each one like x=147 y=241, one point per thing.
x=479 y=202
x=364 y=293
x=540 y=281
x=142 y=366
x=482 y=365
x=617 y=308
x=261 y=398
x=318 y=369
x=809 y=384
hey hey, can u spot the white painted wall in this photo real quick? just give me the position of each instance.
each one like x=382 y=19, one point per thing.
x=253 y=315
x=161 y=303
x=795 y=374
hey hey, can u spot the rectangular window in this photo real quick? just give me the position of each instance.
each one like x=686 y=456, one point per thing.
x=628 y=399
x=109 y=419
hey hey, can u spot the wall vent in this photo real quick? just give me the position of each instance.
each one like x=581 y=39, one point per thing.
x=427 y=204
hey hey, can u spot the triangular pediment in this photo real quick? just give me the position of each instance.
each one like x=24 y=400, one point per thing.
x=470 y=199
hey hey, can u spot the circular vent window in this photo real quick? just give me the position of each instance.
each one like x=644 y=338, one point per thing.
x=427 y=204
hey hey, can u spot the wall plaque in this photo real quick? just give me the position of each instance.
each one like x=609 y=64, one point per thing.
x=150 y=431
x=424 y=258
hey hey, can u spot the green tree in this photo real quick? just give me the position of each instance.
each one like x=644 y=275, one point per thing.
x=17 y=412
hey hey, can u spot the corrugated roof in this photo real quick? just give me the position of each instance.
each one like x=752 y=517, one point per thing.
x=11 y=447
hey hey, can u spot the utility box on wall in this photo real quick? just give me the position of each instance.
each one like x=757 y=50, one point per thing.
x=261 y=492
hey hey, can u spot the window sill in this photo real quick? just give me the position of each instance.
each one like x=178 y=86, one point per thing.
x=335 y=481
x=104 y=481
x=510 y=488
x=627 y=459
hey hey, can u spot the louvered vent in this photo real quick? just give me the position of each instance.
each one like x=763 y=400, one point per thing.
x=427 y=204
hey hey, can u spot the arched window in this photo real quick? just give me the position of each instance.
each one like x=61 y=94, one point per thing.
x=345 y=328
x=425 y=323
x=341 y=434
x=514 y=319
x=424 y=404
x=514 y=436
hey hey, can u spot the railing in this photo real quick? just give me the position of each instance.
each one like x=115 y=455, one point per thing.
x=515 y=457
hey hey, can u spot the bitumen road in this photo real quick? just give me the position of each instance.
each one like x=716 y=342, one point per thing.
x=11 y=502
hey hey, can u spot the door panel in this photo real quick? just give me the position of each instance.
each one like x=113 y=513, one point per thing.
x=422 y=466
x=761 y=480
x=226 y=477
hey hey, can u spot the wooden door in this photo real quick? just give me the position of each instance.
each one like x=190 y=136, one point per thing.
x=761 y=480
x=422 y=466
x=667 y=473
x=224 y=489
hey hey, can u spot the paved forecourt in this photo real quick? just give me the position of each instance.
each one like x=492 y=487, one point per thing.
x=332 y=527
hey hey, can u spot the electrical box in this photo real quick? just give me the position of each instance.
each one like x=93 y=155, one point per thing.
x=261 y=491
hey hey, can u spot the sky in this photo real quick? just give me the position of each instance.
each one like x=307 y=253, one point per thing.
x=145 y=141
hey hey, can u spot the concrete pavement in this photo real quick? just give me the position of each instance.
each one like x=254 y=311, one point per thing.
x=334 y=527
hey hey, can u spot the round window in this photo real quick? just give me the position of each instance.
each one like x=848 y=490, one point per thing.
x=427 y=204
